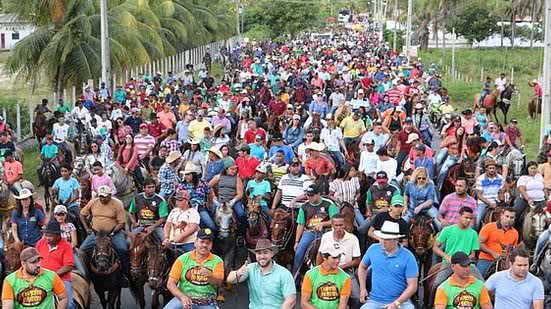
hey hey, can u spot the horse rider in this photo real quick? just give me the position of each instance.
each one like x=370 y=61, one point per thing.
x=394 y=271
x=487 y=187
x=448 y=212
x=378 y=199
x=486 y=89
x=168 y=176
x=60 y=132
x=32 y=285
x=501 y=83
x=313 y=219
x=182 y=224
x=348 y=246
x=13 y=172
x=260 y=187
x=66 y=191
x=57 y=255
x=195 y=276
x=326 y=285
x=507 y=290
x=462 y=290
x=291 y=188
x=148 y=211
x=48 y=153
x=271 y=286
x=459 y=237
x=494 y=238
x=107 y=215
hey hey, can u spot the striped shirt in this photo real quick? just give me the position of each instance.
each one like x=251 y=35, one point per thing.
x=143 y=143
x=394 y=96
x=292 y=187
x=489 y=187
x=451 y=204
x=66 y=229
x=345 y=190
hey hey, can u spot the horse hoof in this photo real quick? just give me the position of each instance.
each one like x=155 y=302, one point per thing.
x=220 y=298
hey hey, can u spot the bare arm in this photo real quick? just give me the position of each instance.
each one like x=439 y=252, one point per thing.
x=438 y=251
x=63 y=270
x=409 y=291
x=291 y=300
x=537 y=304
x=14 y=233
x=62 y=301
x=74 y=242
x=277 y=199
x=343 y=302
x=362 y=277
x=485 y=248
x=7 y=304
x=305 y=301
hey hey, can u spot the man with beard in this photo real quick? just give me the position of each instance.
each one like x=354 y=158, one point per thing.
x=487 y=187
x=21 y=288
x=462 y=290
x=57 y=255
x=516 y=287
x=326 y=286
x=195 y=276
x=271 y=286
x=448 y=213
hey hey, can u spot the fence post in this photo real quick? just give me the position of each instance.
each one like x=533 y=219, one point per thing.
x=4 y=114
x=83 y=87
x=114 y=84
x=482 y=74
x=64 y=95
x=125 y=77
x=512 y=75
x=31 y=107
x=18 y=121
x=74 y=95
x=55 y=97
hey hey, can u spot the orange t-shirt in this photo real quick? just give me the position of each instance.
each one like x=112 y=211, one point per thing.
x=12 y=170
x=441 y=298
x=496 y=239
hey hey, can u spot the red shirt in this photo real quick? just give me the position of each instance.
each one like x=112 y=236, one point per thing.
x=403 y=138
x=250 y=135
x=54 y=259
x=320 y=165
x=246 y=167
x=277 y=106
x=156 y=130
x=394 y=96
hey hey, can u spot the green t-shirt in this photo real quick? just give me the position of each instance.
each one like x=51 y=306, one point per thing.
x=63 y=108
x=49 y=151
x=327 y=288
x=325 y=206
x=38 y=295
x=191 y=283
x=459 y=297
x=457 y=239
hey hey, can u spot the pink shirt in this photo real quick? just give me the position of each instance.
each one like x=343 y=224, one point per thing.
x=468 y=124
x=167 y=119
x=104 y=180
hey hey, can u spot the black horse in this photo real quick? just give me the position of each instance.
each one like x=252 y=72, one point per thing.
x=49 y=174
x=106 y=274
x=504 y=102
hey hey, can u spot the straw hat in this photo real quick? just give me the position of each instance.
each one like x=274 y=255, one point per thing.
x=173 y=156
x=216 y=151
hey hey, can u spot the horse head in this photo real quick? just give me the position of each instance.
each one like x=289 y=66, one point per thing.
x=157 y=264
x=347 y=211
x=281 y=227
x=421 y=235
x=103 y=256
x=137 y=251
x=224 y=220
x=13 y=250
x=253 y=209
x=537 y=219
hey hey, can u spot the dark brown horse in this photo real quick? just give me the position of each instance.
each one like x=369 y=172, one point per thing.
x=257 y=227
x=159 y=262
x=421 y=240
x=466 y=169
x=138 y=266
x=283 y=229
x=347 y=211
x=106 y=274
x=503 y=262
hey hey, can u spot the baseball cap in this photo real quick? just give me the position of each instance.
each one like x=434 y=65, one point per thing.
x=143 y=125
x=461 y=258
x=205 y=234
x=60 y=209
x=397 y=200
x=331 y=250
x=312 y=190
x=104 y=191
x=29 y=255
x=409 y=120
x=296 y=117
x=381 y=175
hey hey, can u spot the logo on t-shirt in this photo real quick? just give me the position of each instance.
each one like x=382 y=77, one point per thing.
x=464 y=300
x=193 y=275
x=147 y=214
x=328 y=291
x=32 y=296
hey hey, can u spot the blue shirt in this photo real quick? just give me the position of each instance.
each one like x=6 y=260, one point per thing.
x=182 y=128
x=214 y=168
x=268 y=291
x=49 y=151
x=259 y=188
x=321 y=108
x=28 y=228
x=417 y=195
x=514 y=294
x=257 y=151
x=287 y=150
x=425 y=162
x=293 y=136
x=389 y=273
x=65 y=189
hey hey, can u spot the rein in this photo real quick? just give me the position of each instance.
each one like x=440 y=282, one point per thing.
x=115 y=264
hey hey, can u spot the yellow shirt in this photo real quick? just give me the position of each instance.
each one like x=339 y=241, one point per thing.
x=196 y=129
x=352 y=128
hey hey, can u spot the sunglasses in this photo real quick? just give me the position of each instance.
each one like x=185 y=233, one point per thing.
x=60 y=214
x=421 y=178
x=181 y=198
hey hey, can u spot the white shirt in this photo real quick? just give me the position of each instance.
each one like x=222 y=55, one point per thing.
x=389 y=166
x=116 y=114
x=331 y=138
x=292 y=187
x=368 y=162
x=348 y=246
x=60 y=132
x=534 y=186
x=177 y=216
x=336 y=99
x=500 y=83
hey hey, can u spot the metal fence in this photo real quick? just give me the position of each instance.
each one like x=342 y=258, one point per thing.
x=20 y=117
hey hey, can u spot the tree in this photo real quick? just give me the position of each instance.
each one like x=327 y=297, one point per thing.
x=474 y=23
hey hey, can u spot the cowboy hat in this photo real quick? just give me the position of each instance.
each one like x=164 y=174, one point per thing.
x=53 y=227
x=263 y=244
x=412 y=137
x=316 y=146
x=193 y=141
x=217 y=128
x=191 y=168
x=173 y=156
x=23 y=194
x=216 y=151
x=389 y=230
x=104 y=191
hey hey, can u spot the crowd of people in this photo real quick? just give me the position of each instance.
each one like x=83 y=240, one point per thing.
x=307 y=126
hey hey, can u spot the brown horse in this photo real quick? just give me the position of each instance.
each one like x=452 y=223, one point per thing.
x=138 y=266
x=106 y=274
x=13 y=249
x=81 y=290
x=283 y=230
x=392 y=145
x=428 y=283
x=503 y=262
x=257 y=227
x=534 y=108
x=533 y=225
x=421 y=240
x=159 y=262
x=347 y=211
x=466 y=169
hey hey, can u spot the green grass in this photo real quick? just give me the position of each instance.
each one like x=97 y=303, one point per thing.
x=30 y=163
x=494 y=61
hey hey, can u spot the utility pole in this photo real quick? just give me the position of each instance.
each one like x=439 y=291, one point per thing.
x=238 y=12
x=395 y=25
x=453 y=53
x=105 y=52
x=408 y=29
x=546 y=108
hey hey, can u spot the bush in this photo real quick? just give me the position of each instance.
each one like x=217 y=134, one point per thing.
x=259 y=32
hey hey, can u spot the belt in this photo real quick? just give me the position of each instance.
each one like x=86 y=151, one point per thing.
x=204 y=301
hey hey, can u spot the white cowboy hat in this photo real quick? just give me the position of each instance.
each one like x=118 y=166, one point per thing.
x=194 y=141
x=412 y=137
x=389 y=230
x=23 y=194
x=173 y=156
x=191 y=168
x=262 y=168
x=316 y=146
x=216 y=151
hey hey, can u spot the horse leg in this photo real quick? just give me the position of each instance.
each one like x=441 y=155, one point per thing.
x=136 y=287
x=495 y=113
x=101 y=296
x=505 y=110
x=155 y=299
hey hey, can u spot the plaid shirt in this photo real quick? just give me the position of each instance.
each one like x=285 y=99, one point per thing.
x=167 y=178
x=171 y=145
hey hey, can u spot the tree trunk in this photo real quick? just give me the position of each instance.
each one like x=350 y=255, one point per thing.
x=513 y=24
x=532 y=17
x=444 y=36
x=502 y=30
x=435 y=32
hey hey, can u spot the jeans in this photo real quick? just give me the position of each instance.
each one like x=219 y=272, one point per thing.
x=542 y=240
x=175 y=303
x=307 y=238
x=483 y=266
x=400 y=160
x=432 y=212
x=427 y=137
x=206 y=219
x=371 y=304
x=158 y=233
x=339 y=157
x=119 y=245
x=480 y=212
x=69 y=290
x=184 y=247
x=443 y=171
x=440 y=157
x=354 y=300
